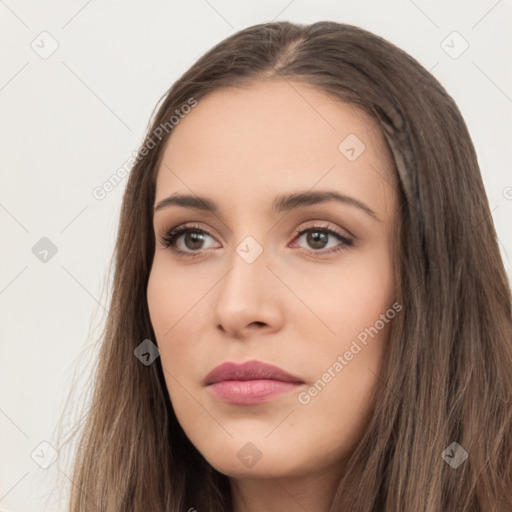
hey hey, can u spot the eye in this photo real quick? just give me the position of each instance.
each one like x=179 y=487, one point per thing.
x=188 y=241
x=317 y=237
x=192 y=238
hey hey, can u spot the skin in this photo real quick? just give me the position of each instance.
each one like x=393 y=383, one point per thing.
x=295 y=306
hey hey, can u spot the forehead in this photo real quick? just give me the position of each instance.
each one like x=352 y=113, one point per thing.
x=274 y=137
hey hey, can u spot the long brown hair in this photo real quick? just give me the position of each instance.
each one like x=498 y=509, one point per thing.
x=447 y=373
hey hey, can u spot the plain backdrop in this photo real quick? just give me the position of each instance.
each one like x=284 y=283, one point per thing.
x=78 y=83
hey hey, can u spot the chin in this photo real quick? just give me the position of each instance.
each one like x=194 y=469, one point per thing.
x=245 y=460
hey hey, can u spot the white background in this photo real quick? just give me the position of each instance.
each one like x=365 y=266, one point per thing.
x=71 y=120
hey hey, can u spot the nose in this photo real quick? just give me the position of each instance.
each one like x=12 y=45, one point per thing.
x=248 y=298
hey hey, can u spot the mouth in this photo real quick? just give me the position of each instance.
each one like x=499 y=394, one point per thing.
x=249 y=383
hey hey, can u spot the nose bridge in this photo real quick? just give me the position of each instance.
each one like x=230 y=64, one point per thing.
x=247 y=268
x=243 y=295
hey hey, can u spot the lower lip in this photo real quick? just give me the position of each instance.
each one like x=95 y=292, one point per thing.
x=246 y=392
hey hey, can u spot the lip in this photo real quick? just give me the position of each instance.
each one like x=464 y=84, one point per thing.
x=249 y=383
x=250 y=370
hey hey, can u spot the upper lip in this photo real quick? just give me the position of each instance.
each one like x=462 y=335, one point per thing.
x=250 y=370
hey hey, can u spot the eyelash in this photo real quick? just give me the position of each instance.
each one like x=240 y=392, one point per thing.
x=172 y=235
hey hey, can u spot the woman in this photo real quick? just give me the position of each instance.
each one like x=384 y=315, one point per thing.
x=309 y=306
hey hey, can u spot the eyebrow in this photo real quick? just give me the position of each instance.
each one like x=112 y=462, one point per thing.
x=280 y=204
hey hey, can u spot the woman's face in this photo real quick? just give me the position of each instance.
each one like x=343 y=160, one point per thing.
x=248 y=287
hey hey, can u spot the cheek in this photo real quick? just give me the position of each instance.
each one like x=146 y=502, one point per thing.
x=167 y=304
x=349 y=298
x=345 y=366
x=171 y=295
x=178 y=309
x=161 y=300
x=355 y=305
